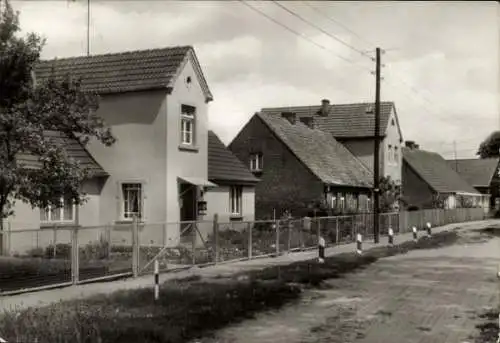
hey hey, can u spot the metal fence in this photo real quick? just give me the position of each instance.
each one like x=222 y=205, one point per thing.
x=57 y=256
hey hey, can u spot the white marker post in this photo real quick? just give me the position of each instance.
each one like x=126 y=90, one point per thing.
x=429 y=231
x=415 y=234
x=157 y=281
x=391 y=237
x=359 y=244
x=321 y=250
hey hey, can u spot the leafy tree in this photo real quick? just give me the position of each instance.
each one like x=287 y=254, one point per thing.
x=29 y=115
x=490 y=147
x=390 y=194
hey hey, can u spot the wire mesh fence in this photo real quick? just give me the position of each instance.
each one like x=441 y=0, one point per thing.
x=54 y=256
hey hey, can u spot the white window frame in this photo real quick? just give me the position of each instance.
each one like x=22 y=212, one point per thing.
x=236 y=201
x=129 y=215
x=47 y=213
x=187 y=119
x=256 y=162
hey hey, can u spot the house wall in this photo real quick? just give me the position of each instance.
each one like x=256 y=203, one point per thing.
x=285 y=182
x=180 y=162
x=415 y=190
x=363 y=149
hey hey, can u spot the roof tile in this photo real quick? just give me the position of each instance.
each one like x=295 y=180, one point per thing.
x=328 y=159
x=223 y=165
x=477 y=172
x=434 y=169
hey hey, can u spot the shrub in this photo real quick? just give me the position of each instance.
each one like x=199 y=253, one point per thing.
x=62 y=250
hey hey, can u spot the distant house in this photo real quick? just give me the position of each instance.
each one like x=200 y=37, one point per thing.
x=300 y=165
x=234 y=198
x=482 y=174
x=353 y=125
x=429 y=182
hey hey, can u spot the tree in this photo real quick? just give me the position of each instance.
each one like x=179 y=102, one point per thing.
x=390 y=193
x=490 y=147
x=28 y=113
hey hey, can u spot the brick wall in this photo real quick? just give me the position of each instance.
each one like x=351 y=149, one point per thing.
x=285 y=182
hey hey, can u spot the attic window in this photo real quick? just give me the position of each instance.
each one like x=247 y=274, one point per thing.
x=188 y=79
x=369 y=109
x=256 y=162
x=392 y=122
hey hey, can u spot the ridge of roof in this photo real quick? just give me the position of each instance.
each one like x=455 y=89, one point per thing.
x=330 y=161
x=478 y=172
x=126 y=71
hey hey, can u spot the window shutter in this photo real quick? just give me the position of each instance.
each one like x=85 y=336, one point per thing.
x=144 y=199
x=118 y=198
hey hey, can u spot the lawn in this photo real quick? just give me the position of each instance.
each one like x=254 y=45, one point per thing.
x=188 y=308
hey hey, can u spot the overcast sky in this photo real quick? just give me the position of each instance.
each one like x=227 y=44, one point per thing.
x=441 y=65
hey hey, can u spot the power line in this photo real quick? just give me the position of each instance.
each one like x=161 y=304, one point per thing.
x=300 y=34
x=323 y=31
x=337 y=23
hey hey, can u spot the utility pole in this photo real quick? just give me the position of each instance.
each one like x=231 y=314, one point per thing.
x=376 y=154
x=455 y=155
x=88 y=27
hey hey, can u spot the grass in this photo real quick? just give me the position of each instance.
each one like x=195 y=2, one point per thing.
x=488 y=329
x=188 y=308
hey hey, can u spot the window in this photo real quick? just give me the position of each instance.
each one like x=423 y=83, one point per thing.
x=62 y=214
x=132 y=200
x=256 y=162
x=389 y=153
x=392 y=122
x=188 y=114
x=396 y=154
x=235 y=200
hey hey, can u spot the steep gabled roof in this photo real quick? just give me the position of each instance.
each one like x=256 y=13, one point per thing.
x=477 y=172
x=224 y=166
x=436 y=172
x=73 y=148
x=126 y=71
x=344 y=120
x=326 y=158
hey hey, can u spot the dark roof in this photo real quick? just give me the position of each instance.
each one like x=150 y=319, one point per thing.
x=328 y=159
x=126 y=71
x=73 y=148
x=436 y=172
x=477 y=172
x=224 y=166
x=343 y=120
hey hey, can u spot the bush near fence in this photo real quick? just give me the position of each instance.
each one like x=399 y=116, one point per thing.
x=108 y=251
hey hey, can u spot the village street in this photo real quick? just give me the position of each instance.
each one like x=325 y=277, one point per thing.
x=424 y=296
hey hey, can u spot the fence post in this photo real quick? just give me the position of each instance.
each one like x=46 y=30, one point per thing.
x=135 y=247
x=75 y=251
x=250 y=242
x=318 y=225
x=108 y=239
x=9 y=238
x=289 y=241
x=215 y=243
x=277 y=224
x=54 y=238
x=337 y=240
x=193 y=243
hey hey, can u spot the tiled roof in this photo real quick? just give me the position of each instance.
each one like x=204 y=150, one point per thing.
x=73 y=148
x=343 y=120
x=126 y=71
x=224 y=166
x=434 y=170
x=328 y=159
x=477 y=172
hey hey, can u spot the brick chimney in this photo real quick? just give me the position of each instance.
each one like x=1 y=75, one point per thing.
x=411 y=145
x=325 y=108
x=290 y=116
x=308 y=121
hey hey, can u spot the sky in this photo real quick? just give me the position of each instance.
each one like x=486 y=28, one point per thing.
x=440 y=65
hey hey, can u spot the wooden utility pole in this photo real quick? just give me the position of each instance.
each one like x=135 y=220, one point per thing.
x=455 y=155
x=376 y=154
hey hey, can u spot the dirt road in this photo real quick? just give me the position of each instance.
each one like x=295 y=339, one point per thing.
x=429 y=296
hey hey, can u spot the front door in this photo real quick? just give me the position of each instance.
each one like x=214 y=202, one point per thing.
x=187 y=203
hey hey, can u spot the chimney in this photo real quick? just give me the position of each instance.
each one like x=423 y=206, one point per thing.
x=411 y=145
x=290 y=116
x=325 y=108
x=308 y=121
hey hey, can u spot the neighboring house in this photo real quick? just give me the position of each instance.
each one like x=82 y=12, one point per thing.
x=353 y=125
x=156 y=104
x=234 y=198
x=482 y=174
x=428 y=182
x=299 y=165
